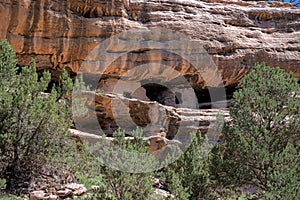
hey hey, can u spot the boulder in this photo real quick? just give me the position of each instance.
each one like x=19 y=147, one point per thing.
x=37 y=195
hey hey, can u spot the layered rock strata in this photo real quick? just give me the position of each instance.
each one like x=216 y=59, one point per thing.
x=105 y=113
x=60 y=34
x=225 y=37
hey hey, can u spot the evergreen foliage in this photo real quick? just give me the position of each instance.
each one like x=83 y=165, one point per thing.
x=260 y=146
x=188 y=177
x=116 y=183
x=122 y=184
x=33 y=124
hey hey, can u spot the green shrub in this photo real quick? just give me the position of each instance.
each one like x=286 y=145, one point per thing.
x=124 y=185
x=188 y=177
x=2 y=184
x=114 y=184
x=260 y=145
x=33 y=124
x=283 y=180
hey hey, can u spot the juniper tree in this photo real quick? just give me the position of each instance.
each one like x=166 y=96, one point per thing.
x=33 y=124
x=188 y=177
x=260 y=145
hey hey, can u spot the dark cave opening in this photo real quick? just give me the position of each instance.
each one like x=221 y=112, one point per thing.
x=162 y=94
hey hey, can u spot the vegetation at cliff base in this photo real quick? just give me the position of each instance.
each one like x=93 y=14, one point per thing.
x=261 y=145
x=257 y=158
x=33 y=124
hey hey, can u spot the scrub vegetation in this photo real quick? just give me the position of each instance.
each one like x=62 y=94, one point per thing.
x=257 y=157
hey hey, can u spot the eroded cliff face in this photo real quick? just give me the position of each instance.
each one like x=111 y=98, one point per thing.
x=237 y=34
x=105 y=113
x=226 y=34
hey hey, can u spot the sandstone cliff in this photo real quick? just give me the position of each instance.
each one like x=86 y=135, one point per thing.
x=60 y=34
x=234 y=35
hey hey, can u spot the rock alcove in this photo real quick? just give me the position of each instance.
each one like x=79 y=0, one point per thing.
x=162 y=94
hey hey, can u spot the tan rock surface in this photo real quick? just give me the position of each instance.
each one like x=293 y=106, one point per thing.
x=237 y=34
x=103 y=116
x=37 y=195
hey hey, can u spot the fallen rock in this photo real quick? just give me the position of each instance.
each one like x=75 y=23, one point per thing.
x=41 y=195
x=37 y=195
x=67 y=191
x=74 y=186
x=161 y=194
x=64 y=193
x=52 y=197
x=157 y=142
x=78 y=189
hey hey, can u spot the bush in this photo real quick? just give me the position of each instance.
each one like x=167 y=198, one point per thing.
x=283 y=180
x=33 y=124
x=188 y=177
x=260 y=145
x=115 y=184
